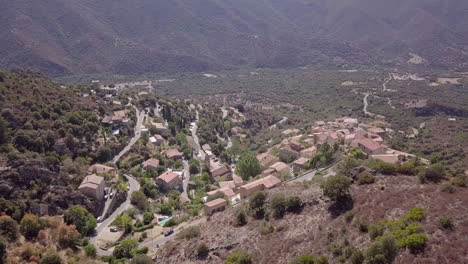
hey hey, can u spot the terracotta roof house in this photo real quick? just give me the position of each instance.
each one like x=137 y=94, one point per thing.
x=320 y=138
x=150 y=164
x=106 y=120
x=308 y=152
x=371 y=147
x=296 y=145
x=268 y=171
x=376 y=130
x=157 y=140
x=226 y=191
x=266 y=160
x=227 y=184
x=332 y=139
x=119 y=116
x=349 y=138
x=300 y=164
x=99 y=168
x=268 y=182
x=173 y=154
x=318 y=129
x=238 y=181
x=169 y=180
x=214 y=206
x=159 y=126
x=286 y=153
x=206 y=147
x=281 y=168
x=93 y=186
x=291 y=132
x=222 y=171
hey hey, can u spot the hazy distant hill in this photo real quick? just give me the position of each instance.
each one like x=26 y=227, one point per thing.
x=128 y=36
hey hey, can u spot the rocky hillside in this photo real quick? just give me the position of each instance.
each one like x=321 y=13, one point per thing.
x=319 y=230
x=82 y=36
x=47 y=134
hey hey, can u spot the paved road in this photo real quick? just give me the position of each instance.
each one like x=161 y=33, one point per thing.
x=184 y=196
x=103 y=227
x=140 y=118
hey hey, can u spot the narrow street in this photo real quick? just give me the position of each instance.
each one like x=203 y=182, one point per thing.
x=184 y=196
x=103 y=228
x=140 y=118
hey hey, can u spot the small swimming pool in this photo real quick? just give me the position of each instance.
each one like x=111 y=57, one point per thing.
x=163 y=222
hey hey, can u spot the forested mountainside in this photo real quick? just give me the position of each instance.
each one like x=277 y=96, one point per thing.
x=81 y=36
x=48 y=136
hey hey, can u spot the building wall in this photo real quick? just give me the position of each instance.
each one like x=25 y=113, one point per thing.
x=211 y=210
x=248 y=192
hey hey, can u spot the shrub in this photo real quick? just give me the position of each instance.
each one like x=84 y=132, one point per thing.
x=202 y=250
x=257 y=205
x=365 y=178
x=139 y=199
x=278 y=205
x=434 y=173
x=363 y=226
x=447 y=187
x=8 y=228
x=446 y=222
x=294 y=204
x=348 y=216
x=460 y=181
x=3 y=252
x=303 y=259
x=81 y=218
x=266 y=228
x=68 y=236
x=383 y=250
x=30 y=226
x=336 y=187
x=415 y=242
x=376 y=231
x=357 y=257
x=239 y=257
x=189 y=233
x=50 y=258
x=141 y=259
x=90 y=250
x=240 y=218
x=125 y=248
x=415 y=214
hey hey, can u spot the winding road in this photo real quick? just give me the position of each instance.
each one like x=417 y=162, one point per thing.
x=284 y=119
x=140 y=118
x=103 y=227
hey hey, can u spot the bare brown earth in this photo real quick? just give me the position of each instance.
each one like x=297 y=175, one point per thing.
x=390 y=197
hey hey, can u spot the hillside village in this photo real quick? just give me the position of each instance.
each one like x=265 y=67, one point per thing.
x=185 y=180
x=163 y=166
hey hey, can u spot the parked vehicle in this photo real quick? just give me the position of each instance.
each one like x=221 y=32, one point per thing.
x=99 y=219
x=114 y=229
x=111 y=194
x=168 y=232
x=105 y=197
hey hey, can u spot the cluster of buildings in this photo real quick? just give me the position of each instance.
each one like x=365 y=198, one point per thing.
x=94 y=184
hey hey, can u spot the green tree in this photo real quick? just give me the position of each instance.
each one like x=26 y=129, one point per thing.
x=382 y=251
x=4 y=135
x=257 y=204
x=278 y=205
x=303 y=259
x=148 y=217
x=90 y=250
x=241 y=218
x=3 y=252
x=138 y=198
x=248 y=166
x=51 y=258
x=80 y=217
x=30 y=226
x=8 y=228
x=239 y=257
x=141 y=259
x=194 y=166
x=125 y=248
x=336 y=187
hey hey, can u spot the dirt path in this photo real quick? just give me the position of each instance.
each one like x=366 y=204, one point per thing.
x=387 y=80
